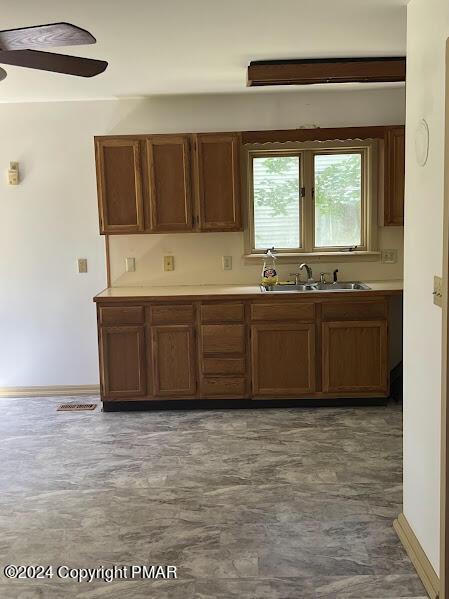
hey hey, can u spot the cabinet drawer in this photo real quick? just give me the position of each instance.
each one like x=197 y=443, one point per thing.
x=225 y=386
x=282 y=311
x=110 y=315
x=230 y=312
x=223 y=338
x=223 y=365
x=172 y=314
x=354 y=310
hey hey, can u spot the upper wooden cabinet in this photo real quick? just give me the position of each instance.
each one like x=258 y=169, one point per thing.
x=169 y=183
x=192 y=182
x=217 y=174
x=394 y=176
x=119 y=183
x=169 y=170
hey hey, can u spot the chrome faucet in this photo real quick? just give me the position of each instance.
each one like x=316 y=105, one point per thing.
x=307 y=268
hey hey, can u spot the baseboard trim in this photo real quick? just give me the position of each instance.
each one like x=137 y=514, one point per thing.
x=52 y=391
x=419 y=559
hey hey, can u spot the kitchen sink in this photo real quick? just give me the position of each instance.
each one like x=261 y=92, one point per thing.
x=287 y=287
x=352 y=286
x=344 y=286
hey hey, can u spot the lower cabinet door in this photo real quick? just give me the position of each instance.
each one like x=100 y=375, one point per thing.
x=123 y=362
x=355 y=357
x=283 y=360
x=174 y=369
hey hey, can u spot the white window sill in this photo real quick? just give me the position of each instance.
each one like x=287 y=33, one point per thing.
x=292 y=258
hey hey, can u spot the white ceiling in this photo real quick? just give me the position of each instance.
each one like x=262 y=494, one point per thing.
x=198 y=46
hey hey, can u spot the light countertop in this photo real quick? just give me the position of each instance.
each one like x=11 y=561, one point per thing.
x=377 y=287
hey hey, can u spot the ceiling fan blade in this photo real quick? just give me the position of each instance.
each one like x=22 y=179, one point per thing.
x=45 y=36
x=57 y=63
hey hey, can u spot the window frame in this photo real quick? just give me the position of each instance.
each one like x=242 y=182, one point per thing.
x=307 y=152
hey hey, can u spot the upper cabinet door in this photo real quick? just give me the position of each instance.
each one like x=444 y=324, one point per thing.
x=218 y=181
x=394 y=176
x=169 y=170
x=119 y=181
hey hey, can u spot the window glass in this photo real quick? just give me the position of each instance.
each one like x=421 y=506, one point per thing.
x=338 y=200
x=277 y=190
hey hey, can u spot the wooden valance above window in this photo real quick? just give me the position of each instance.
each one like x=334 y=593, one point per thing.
x=316 y=134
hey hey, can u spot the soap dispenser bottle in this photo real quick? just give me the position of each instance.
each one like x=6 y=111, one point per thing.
x=269 y=274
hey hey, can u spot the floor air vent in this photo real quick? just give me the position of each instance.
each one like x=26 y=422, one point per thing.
x=76 y=407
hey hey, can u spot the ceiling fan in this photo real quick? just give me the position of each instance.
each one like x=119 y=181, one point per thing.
x=21 y=48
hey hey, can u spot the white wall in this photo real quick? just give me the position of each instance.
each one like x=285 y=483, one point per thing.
x=198 y=259
x=428 y=29
x=47 y=318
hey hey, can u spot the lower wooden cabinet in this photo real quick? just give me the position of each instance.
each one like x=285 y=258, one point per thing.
x=283 y=359
x=355 y=357
x=174 y=368
x=222 y=351
x=260 y=349
x=123 y=362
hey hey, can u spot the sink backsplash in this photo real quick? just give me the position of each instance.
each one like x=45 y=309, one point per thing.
x=198 y=260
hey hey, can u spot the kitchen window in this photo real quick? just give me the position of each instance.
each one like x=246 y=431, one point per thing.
x=312 y=200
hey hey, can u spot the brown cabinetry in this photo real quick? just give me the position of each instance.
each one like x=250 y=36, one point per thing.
x=394 y=176
x=283 y=360
x=217 y=176
x=173 y=360
x=169 y=183
x=355 y=357
x=222 y=350
x=170 y=195
x=119 y=183
x=244 y=348
x=192 y=182
x=122 y=362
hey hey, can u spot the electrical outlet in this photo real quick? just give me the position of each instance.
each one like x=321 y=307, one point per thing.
x=227 y=262
x=438 y=291
x=389 y=256
x=82 y=265
x=169 y=263
x=13 y=173
x=130 y=264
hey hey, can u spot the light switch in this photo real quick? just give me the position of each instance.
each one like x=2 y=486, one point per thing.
x=13 y=173
x=130 y=264
x=227 y=262
x=438 y=291
x=169 y=263
x=82 y=265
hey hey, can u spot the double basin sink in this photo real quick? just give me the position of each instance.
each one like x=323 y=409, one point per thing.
x=331 y=287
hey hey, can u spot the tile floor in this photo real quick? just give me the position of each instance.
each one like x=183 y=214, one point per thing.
x=248 y=504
